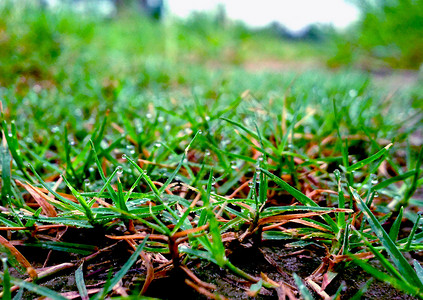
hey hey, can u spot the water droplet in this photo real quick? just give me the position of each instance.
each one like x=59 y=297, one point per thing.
x=233 y=165
x=124 y=157
x=157 y=144
x=91 y=169
x=290 y=146
x=207 y=118
x=72 y=143
x=376 y=194
x=87 y=182
x=213 y=181
x=10 y=134
x=167 y=127
x=374 y=179
x=160 y=119
x=148 y=116
x=353 y=93
x=261 y=158
x=200 y=132
x=119 y=170
x=337 y=173
x=55 y=129
x=207 y=152
x=78 y=112
x=250 y=184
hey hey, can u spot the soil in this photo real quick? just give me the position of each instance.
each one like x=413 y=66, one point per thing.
x=274 y=259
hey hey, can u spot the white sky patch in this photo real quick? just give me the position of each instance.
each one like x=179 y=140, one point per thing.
x=294 y=14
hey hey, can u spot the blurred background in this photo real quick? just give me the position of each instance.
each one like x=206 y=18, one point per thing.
x=46 y=42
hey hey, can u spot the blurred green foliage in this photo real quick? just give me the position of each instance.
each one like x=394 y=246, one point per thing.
x=388 y=34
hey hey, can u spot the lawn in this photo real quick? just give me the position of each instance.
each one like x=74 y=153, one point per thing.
x=145 y=159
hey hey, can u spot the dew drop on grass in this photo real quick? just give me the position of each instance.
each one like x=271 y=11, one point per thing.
x=131 y=149
x=207 y=118
x=119 y=170
x=200 y=132
x=55 y=129
x=233 y=165
x=160 y=119
x=157 y=144
x=124 y=157
x=374 y=179
x=337 y=173
x=207 y=152
x=148 y=116
x=353 y=93
x=87 y=182
x=10 y=134
x=91 y=169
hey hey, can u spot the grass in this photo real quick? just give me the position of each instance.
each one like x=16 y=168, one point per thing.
x=119 y=142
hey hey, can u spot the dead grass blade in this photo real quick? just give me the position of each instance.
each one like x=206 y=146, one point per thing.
x=281 y=218
x=19 y=257
x=42 y=199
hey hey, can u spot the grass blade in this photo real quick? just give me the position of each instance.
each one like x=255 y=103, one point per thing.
x=393 y=232
x=125 y=268
x=80 y=284
x=305 y=293
x=300 y=197
x=400 y=262
x=7 y=294
x=40 y=290
x=370 y=159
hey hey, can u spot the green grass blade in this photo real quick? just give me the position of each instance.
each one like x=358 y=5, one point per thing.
x=175 y=172
x=32 y=287
x=7 y=294
x=82 y=201
x=66 y=201
x=370 y=159
x=362 y=290
x=80 y=283
x=125 y=268
x=305 y=293
x=414 y=183
x=400 y=262
x=399 y=284
x=412 y=233
x=13 y=145
x=300 y=197
x=385 y=263
x=102 y=175
x=266 y=142
x=389 y=181
x=393 y=232
x=419 y=269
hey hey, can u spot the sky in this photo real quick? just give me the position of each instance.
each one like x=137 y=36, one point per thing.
x=294 y=14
